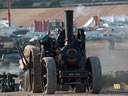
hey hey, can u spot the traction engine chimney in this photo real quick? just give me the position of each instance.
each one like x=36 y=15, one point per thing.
x=68 y=20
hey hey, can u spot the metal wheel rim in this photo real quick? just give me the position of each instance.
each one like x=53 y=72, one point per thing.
x=89 y=79
x=44 y=78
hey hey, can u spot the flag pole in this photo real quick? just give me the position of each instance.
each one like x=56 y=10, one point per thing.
x=9 y=20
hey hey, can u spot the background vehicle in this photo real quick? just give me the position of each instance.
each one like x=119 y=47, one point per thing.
x=7 y=83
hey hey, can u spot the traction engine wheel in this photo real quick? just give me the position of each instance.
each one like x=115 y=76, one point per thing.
x=94 y=78
x=35 y=71
x=49 y=75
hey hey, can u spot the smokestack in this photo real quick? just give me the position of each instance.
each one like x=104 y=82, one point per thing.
x=68 y=20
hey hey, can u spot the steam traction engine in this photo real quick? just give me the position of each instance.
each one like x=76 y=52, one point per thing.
x=63 y=64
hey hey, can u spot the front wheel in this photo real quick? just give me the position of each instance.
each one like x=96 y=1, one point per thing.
x=94 y=78
x=49 y=75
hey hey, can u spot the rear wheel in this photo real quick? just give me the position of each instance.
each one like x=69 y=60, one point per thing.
x=94 y=79
x=35 y=71
x=49 y=75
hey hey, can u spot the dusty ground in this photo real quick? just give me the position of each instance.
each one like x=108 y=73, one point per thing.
x=27 y=16
x=104 y=93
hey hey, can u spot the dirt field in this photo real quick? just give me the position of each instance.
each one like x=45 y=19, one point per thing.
x=104 y=93
x=81 y=14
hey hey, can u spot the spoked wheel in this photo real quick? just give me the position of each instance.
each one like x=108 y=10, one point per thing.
x=94 y=79
x=49 y=75
x=35 y=71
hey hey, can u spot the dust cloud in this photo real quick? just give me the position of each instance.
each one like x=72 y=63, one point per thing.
x=113 y=61
x=81 y=11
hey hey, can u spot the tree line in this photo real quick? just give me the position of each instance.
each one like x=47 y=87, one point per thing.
x=52 y=3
